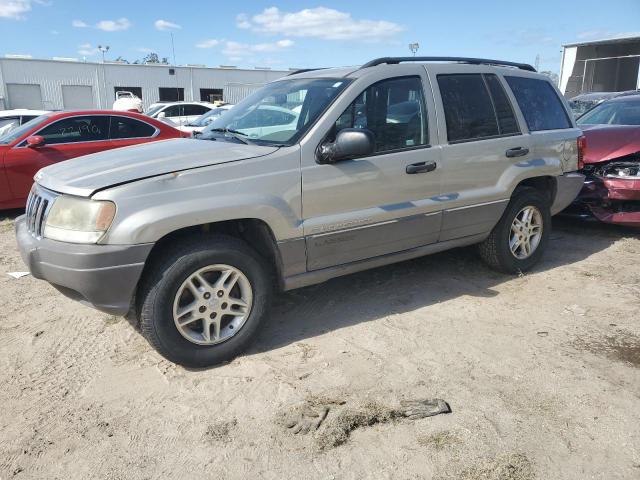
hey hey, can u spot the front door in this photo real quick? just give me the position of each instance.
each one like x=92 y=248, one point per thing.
x=66 y=138
x=385 y=202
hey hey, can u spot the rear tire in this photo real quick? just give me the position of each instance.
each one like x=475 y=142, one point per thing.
x=516 y=244
x=163 y=288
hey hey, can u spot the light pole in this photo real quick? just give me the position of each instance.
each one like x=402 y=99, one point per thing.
x=414 y=48
x=104 y=49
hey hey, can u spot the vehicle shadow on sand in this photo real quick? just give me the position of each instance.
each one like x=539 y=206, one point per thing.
x=414 y=284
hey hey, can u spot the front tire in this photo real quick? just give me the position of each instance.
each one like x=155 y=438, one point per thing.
x=202 y=301
x=521 y=236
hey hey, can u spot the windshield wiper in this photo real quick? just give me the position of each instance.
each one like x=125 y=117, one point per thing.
x=234 y=133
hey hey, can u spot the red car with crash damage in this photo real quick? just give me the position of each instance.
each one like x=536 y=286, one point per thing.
x=611 y=192
x=55 y=137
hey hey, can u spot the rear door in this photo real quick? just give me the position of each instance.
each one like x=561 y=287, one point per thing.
x=481 y=139
x=66 y=138
x=371 y=206
x=553 y=133
x=124 y=131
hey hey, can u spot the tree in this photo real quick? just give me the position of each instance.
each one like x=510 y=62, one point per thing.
x=121 y=59
x=152 y=57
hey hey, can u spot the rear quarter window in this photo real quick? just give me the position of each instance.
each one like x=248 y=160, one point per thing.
x=539 y=103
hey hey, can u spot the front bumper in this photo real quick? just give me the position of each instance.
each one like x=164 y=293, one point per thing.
x=102 y=276
x=610 y=200
x=569 y=185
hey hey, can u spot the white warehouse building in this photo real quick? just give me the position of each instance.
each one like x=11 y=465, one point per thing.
x=66 y=84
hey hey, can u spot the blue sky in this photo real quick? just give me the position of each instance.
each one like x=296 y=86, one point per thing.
x=306 y=34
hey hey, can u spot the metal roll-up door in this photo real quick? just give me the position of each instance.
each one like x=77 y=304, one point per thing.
x=24 y=95
x=77 y=97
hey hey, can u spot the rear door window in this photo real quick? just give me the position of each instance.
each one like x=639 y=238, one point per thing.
x=539 y=103
x=89 y=128
x=195 y=110
x=125 y=127
x=475 y=107
x=174 y=111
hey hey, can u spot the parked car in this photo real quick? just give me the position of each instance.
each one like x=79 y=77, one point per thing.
x=10 y=119
x=611 y=191
x=584 y=102
x=202 y=232
x=179 y=113
x=127 y=102
x=199 y=124
x=54 y=137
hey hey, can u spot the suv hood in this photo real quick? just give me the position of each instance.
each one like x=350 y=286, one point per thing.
x=83 y=176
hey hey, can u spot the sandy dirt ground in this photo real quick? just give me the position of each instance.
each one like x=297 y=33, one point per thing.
x=542 y=373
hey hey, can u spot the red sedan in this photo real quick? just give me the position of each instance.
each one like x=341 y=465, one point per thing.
x=611 y=191
x=55 y=137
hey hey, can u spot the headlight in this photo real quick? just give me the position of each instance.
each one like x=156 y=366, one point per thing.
x=78 y=220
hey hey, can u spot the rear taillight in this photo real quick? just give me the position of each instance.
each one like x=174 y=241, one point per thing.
x=582 y=150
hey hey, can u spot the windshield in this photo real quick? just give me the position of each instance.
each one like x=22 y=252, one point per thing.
x=152 y=111
x=279 y=113
x=207 y=118
x=616 y=112
x=21 y=130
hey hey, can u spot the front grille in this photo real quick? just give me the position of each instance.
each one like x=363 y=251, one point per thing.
x=38 y=205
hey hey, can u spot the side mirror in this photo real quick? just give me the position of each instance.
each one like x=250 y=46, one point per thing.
x=349 y=143
x=162 y=115
x=35 y=141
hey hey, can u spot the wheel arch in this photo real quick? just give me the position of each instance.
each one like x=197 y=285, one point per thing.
x=256 y=233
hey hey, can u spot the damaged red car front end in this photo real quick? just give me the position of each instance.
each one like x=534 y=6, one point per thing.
x=611 y=191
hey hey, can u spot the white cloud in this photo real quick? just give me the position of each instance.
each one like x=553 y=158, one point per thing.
x=14 y=9
x=104 y=25
x=113 y=25
x=165 y=25
x=236 y=50
x=210 y=43
x=320 y=22
x=87 y=50
x=144 y=50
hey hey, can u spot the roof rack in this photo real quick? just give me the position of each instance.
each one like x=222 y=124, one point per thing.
x=304 y=70
x=472 y=61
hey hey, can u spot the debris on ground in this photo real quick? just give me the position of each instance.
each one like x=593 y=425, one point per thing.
x=220 y=431
x=416 y=409
x=309 y=415
x=513 y=466
x=17 y=275
x=339 y=428
x=439 y=440
x=576 y=310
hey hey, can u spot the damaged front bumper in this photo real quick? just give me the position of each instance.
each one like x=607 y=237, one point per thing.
x=611 y=193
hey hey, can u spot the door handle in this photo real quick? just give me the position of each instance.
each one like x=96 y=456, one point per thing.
x=517 y=152
x=421 y=167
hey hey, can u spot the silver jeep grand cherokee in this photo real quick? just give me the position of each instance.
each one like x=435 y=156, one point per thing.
x=319 y=174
